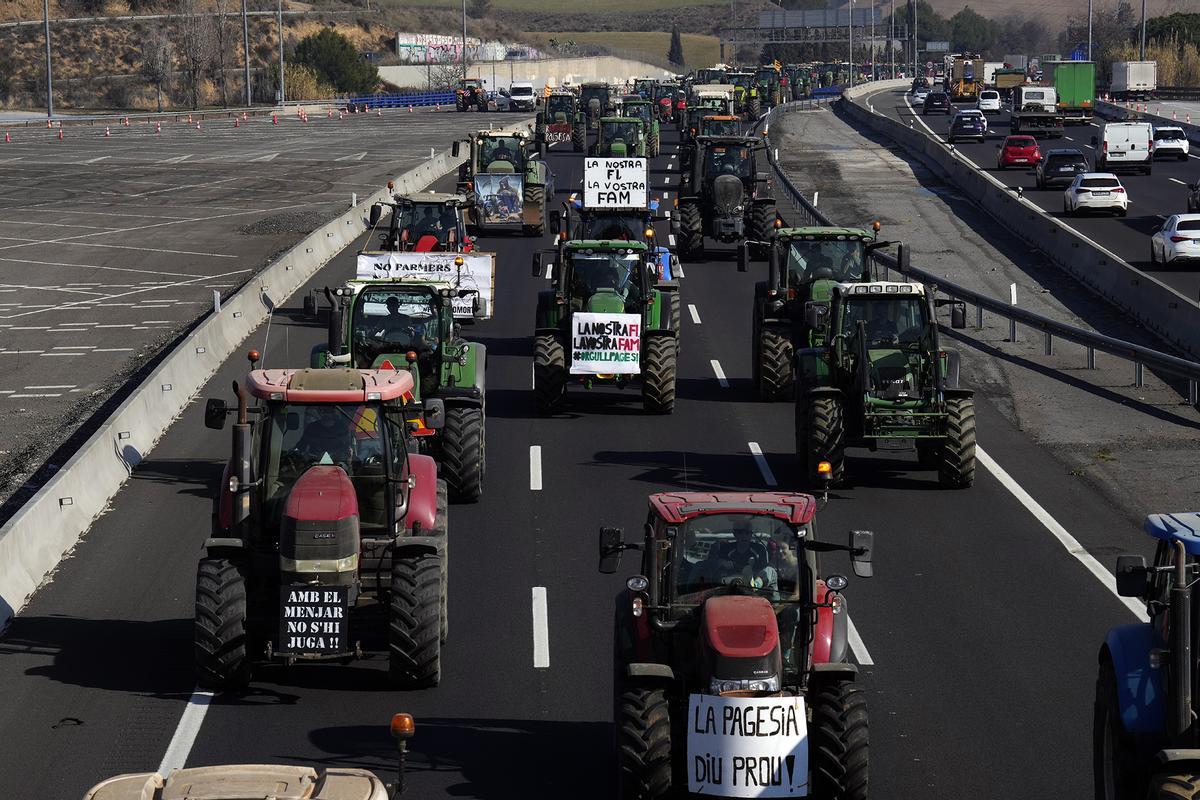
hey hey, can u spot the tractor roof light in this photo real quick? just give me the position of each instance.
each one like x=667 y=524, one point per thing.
x=458 y=261
x=649 y=233
x=403 y=726
x=778 y=223
x=391 y=185
x=875 y=226
x=825 y=470
x=411 y=356
x=253 y=357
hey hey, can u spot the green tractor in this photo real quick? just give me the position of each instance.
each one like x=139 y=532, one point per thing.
x=803 y=266
x=620 y=137
x=723 y=195
x=559 y=120
x=746 y=99
x=767 y=78
x=401 y=324
x=596 y=100
x=634 y=107
x=608 y=320
x=509 y=181
x=878 y=377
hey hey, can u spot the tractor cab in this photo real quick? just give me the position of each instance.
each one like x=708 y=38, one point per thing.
x=638 y=107
x=501 y=153
x=507 y=181
x=804 y=264
x=612 y=276
x=723 y=195
x=719 y=125
x=559 y=120
x=596 y=100
x=644 y=88
x=424 y=223
x=620 y=137
x=621 y=224
x=560 y=107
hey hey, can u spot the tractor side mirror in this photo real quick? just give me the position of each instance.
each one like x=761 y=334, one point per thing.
x=310 y=305
x=743 y=256
x=376 y=213
x=214 y=414
x=816 y=314
x=958 y=316
x=611 y=545
x=862 y=545
x=538 y=267
x=455 y=148
x=435 y=413
x=1131 y=576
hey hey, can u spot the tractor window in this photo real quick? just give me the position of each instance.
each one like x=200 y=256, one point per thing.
x=728 y=160
x=613 y=226
x=499 y=149
x=890 y=319
x=755 y=552
x=719 y=127
x=390 y=322
x=426 y=219
x=809 y=260
x=348 y=435
x=639 y=110
x=558 y=103
x=628 y=132
x=593 y=272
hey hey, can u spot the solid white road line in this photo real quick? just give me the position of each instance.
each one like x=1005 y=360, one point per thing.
x=186 y=732
x=353 y=157
x=720 y=373
x=861 y=654
x=1069 y=542
x=695 y=314
x=1178 y=181
x=763 y=467
x=679 y=267
x=541 y=629
x=535 y=467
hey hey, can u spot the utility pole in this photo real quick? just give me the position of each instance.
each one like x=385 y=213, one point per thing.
x=851 y=29
x=282 y=94
x=914 y=37
x=872 y=39
x=1089 y=52
x=1142 y=50
x=49 y=79
x=246 y=48
x=892 y=43
x=464 y=53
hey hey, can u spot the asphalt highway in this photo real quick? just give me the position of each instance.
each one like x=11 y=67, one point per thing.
x=978 y=634
x=1152 y=198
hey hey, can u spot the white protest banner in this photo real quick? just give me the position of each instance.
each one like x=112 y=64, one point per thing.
x=605 y=344
x=478 y=272
x=614 y=183
x=747 y=746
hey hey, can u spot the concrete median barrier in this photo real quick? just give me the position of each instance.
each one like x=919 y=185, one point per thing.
x=1172 y=316
x=49 y=524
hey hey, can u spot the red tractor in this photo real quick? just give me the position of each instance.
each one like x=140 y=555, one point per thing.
x=325 y=521
x=732 y=619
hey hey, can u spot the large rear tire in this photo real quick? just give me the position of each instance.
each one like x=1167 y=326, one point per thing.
x=463 y=453
x=655 y=145
x=644 y=744
x=840 y=742
x=549 y=373
x=825 y=437
x=774 y=368
x=536 y=196
x=957 y=467
x=754 y=106
x=659 y=367
x=578 y=137
x=1115 y=765
x=220 y=628
x=1176 y=787
x=762 y=219
x=414 y=627
x=691 y=231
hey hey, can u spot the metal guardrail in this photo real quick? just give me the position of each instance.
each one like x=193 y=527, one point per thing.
x=376 y=101
x=1139 y=355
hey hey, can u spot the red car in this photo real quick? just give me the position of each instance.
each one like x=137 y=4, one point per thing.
x=1018 y=151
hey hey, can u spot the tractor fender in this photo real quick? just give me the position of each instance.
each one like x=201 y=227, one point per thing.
x=831 y=636
x=422 y=498
x=962 y=393
x=476 y=380
x=220 y=545
x=667 y=285
x=823 y=391
x=1139 y=688
x=835 y=669
x=223 y=512
x=633 y=641
x=417 y=546
x=649 y=671
x=952 y=369
x=650 y=333
x=545 y=304
x=548 y=331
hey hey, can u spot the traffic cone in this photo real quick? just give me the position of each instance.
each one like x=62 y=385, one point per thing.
x=49 y=124
x=7 y=138
x=410 y=109
x=127 y=122
x=106 y=132
x=60 y=136
x=158 y=127
x=379 y=112
x=274 y=119
x=237 y=122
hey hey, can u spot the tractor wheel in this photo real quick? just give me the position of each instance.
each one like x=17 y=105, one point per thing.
x=220 y=624
x=774 y=367
x=775 y=97
x=655 y=145
x=644 y=744
x=957 y=468
x=1115 y=764
x=578 y=137
x=691 y=231
x=762 y=221
x=549 y=373
x=441 y=529
x=414 y=626
x=463 y=453
x=536 y=195
x=824 y=437
x=1175 y=787
x=658 y=375
x=754 y=107
x=840 y=742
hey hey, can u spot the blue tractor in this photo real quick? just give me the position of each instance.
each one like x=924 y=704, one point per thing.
x=1146 y=736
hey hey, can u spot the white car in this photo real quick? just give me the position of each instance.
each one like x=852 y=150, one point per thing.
x=989 y=101
x=974 y=112
x=1095 y=191
x=1170 y=140
x=1178 y=238
x=918 y=96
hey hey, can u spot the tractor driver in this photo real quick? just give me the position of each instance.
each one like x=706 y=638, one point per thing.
x=880 y=325
x=500 y=152
x=428 y=224
x=395 y=322
x=326 y=438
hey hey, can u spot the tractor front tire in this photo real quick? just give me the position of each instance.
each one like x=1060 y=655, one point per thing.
x=1115 y=763
x=644 y=744
x=220 y=628
x=762 y=221
x=957 y=467
x=754 y=107
x=415 y=623
x=659 y=368
x=691 y=231
x=536 y=195
x=578 y=137
x=839 y=742
x=824 y=437
x=655 y=146
x=774 y=367
x=549 y=373
x=463 y=453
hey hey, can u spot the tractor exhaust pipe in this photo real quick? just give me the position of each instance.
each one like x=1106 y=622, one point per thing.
x=241 y=460
x=1182 y=671
x=336 y=314
x=939 y=383
x=773 y=266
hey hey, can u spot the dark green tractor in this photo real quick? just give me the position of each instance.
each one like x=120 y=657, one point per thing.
x=803 y=265
x=880 y=379
x=559 y=119
x=767 y=78
x=723 y=195
x=509 y=181
x=395 y=324
x=645 y=111
x=746 y=100
x=595 y=101
x=620 y=137
x=608 y=320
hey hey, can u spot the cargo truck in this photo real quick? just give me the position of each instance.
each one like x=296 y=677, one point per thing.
x=1075 y=84
x=1035 y=111
x=964 y=77
x=1009 y=79
x=1133 y=80
x=989 y=73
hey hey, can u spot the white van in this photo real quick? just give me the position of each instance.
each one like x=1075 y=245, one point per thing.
x=1125 y=145
x=522 y=97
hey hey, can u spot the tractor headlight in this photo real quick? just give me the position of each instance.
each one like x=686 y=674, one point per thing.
x=739 y=209
x=718 y=686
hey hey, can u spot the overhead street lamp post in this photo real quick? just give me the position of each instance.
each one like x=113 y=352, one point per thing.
x=49 y=79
